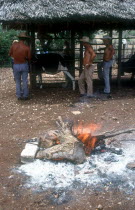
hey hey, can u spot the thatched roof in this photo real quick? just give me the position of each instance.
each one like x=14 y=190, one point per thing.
x=117 y=13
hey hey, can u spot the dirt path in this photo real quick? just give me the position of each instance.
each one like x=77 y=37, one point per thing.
x=22 y=120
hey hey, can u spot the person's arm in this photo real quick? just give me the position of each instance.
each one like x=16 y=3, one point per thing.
x=92 y=56
x=112 y=51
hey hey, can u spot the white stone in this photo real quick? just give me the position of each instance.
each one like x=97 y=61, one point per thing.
x=29 y=153
x=100 y=206
x=76 y=112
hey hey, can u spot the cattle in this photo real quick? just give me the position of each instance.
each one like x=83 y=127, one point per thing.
x=128 y=67
x=50 y=63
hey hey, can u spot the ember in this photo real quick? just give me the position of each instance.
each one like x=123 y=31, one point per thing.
x=85 y=133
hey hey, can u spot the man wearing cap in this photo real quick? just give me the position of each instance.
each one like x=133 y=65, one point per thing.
x=87 y=73
x=107 y=62
x=21 y=55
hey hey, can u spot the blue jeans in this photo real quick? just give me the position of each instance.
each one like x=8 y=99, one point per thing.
x=21 y=79
x=106 y=75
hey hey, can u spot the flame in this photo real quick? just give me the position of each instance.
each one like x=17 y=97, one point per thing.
x=56 y=140
x=85 y=133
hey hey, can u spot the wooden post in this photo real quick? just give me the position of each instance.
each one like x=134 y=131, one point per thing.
x=119 y=58
x=110 y=34
x=32 y=73
x=81 y=58
x=33 y=39
x=73 y=51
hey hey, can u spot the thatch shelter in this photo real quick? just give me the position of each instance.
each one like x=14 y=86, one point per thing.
x=72 y=15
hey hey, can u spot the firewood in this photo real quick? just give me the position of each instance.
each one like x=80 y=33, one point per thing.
x=68 y=149
x=110 y=134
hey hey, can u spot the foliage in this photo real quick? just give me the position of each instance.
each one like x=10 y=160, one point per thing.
x=56 y=41
x=53 y=42
x=6 y=39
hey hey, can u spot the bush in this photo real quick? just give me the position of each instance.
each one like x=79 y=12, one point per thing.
x=6 y=39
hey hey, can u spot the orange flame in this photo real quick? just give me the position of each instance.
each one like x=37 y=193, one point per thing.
x=85 y=133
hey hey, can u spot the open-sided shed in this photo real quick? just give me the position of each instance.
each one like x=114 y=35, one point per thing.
x=69 y=14
x=72 y=15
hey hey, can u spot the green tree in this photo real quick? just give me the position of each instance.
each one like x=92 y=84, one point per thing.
x=6 y=39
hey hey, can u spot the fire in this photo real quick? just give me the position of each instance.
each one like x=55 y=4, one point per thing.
x=56 y=140
x=85 y=133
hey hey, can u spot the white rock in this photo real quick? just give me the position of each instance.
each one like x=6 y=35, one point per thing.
x=100 y=206
x=76 y=112
x=29 y=153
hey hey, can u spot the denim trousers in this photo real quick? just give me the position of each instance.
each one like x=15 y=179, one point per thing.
x=21 y=79
x=106 y=75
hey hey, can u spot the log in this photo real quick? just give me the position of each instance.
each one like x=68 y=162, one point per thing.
x=69 y=148
x=110 y=134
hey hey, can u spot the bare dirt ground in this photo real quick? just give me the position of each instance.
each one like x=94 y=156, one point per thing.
x=22 y=120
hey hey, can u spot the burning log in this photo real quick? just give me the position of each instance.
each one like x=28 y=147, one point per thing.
x=68 y=149
x=49 y=139
x=110 y=134
x=86 y=134
x=70 y=144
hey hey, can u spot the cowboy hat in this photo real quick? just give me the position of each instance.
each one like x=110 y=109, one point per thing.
x=15 y=41
x=106 y=37
x=23 y=35
x=85 y=39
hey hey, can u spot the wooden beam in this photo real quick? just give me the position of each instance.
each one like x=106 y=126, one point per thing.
x=33 y=39
x=32 y=74
x=119 y=58
x=73 y=51
x=81 y=58
x=81 y=55
x=111 y=34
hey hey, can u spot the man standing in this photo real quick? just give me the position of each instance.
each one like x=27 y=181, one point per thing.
x=21 y=55
x=107 y=62
x=87 y=73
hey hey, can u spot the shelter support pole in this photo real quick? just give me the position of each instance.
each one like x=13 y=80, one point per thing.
x=28 y=30
x=73 y=52
x=32 y=74
x=111 y=35
x=33 y=39
x=119 y=58
x=81 y=58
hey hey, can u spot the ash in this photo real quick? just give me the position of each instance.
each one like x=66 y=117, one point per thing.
x=101 y=170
